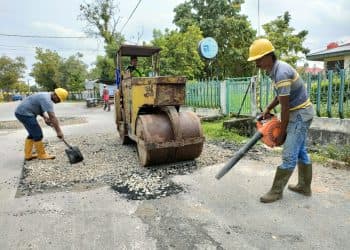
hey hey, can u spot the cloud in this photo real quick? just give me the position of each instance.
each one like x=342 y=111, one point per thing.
x=326 y=21
x=55 y=29
x=150 y=15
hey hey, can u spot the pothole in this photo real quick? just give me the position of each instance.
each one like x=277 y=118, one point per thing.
x=108 y=162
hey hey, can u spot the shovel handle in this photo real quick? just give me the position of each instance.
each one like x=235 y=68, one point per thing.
x=69 y=146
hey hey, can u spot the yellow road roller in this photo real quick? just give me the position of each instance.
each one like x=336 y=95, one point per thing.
x=147 y=112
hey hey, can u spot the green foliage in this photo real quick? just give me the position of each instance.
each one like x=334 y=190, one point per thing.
x=52 y=71
x=234 y=35
x=333 y=152
x=10 y=71
x=34 y=88
x=21 y=87
x=104 y=68
x=179 y=54
x=287 y=44
x=221 y=20
x=73 y=73
x=215 y=130
x=46 y=70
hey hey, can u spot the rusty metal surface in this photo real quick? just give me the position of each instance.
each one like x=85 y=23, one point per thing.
x=165 y=90
x=158 y=80
x=170 y=95
x=126 y=94
x=117 y=109
x=171 y=79
x=157 y=142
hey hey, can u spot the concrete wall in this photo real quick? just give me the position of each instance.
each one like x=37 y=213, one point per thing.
x=325 y=131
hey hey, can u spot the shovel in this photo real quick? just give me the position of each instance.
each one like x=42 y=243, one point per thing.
x=73 y=153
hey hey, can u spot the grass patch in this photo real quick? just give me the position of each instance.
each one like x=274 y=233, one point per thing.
x=215 y=130
x=334 y=152
x=316 y=157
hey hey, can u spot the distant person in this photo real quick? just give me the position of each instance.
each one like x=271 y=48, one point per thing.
x=132 y=68
x=27 y=111
x=105 y=96
x=296 y=116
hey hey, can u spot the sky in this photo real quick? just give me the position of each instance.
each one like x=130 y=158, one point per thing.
x=325 y=20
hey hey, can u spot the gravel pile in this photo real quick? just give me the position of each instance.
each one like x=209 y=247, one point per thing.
x=107 y=162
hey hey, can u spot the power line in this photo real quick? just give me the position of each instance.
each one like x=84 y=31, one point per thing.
x=137 y=5
x=38 y=36
x=13 y=47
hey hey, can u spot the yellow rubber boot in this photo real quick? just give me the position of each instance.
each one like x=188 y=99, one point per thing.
x=28 y=150
x=40 y=148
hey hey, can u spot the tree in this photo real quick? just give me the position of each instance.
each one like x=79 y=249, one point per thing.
x=21 y=87
x=221 y=20
x=73 y=73
x=101 y=20
x=288 y=45
x=46 y=71
x=11 y=70
x=52 y=71
x=179 y=54
x=105 y=68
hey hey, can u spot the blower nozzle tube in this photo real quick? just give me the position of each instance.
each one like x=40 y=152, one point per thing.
x=232 y=162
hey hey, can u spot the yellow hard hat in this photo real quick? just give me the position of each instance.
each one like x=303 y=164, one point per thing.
x=61 y=93
x=259 y=48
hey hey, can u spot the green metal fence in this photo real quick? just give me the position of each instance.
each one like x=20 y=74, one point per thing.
x=238 y=96
x=206 y=94
x=329 y=92
x=265 y=90
x=203 y=94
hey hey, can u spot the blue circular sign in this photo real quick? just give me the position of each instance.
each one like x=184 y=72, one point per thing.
x=208 y=48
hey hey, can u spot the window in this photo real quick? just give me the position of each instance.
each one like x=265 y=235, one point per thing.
x=336 y=66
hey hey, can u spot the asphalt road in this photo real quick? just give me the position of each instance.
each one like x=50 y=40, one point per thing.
x=209 y=214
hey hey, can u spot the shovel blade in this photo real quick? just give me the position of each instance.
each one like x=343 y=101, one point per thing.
x=74 y=155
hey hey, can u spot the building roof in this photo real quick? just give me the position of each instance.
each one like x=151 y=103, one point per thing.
x=313 y=70
x=341 y=50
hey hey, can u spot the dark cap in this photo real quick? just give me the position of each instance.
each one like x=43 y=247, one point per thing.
x=133 y=57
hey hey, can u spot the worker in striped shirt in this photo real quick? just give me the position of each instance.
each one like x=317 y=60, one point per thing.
x=296 y=116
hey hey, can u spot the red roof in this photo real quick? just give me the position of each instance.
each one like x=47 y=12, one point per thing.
x=314 y=70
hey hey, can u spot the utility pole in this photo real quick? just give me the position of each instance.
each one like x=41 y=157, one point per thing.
x=258 y=18
x=28 y=86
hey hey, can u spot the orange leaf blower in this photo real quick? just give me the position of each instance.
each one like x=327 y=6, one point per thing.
x=267 y=130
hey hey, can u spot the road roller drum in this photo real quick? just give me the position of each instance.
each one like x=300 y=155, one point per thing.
x=161 y=139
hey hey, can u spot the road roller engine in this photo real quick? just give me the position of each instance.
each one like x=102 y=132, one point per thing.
x=147 y=112
x=268 y=130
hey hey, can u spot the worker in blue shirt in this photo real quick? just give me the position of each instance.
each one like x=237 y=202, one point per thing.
x=27 y=111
